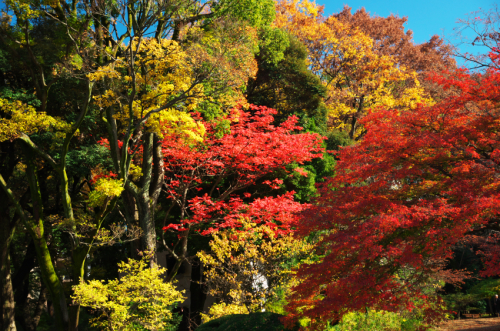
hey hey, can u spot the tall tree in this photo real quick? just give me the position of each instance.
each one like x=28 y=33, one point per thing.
x=215 y=182
x=391 y=39
x=288 y=85
x=61 y=45
x=417 y=184
x=356 y=76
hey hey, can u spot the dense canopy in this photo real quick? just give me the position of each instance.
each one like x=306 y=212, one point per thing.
x=171 y=164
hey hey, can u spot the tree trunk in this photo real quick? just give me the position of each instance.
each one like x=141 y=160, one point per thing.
x=198 y=292
x=6 y=292
x=132 y=217
x=35 y=228
x=42 y=299
x=50 y=278
x=147 y=224
x=79 y=257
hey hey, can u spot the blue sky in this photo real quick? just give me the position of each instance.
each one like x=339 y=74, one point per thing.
x=425 y=17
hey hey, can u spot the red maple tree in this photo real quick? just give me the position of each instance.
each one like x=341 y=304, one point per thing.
x=418 y=183
x=228 y=176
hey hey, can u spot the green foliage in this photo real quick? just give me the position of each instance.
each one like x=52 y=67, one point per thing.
x=256 y=13
x=248 y=322
x=376 y=321
x=337 y=139
x=289 y=86
x=21 y=94
x=486 y=288
x=304 y=186
x=81 y=160
x=273 y=43
x=278 y=302
x=475 y=298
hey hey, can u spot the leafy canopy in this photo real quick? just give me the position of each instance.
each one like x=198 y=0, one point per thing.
x=414 y=187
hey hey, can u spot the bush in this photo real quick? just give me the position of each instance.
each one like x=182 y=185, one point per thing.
x=222 y=309
x=139 y=300
x=376 y=321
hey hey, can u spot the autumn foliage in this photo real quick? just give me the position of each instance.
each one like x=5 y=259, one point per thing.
x=356 y=70
x=417 y=184
x=215 y=183
x=252 y=149
x=367 y=162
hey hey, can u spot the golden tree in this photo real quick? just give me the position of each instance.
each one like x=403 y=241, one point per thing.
x=247 y=265
x=356 y=76
x=139 y=299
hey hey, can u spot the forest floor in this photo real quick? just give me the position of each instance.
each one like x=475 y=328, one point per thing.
x=473 y=324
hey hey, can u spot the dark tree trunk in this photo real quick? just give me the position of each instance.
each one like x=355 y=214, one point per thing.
x=7 y=293
x=198 y=293
x=7 y=303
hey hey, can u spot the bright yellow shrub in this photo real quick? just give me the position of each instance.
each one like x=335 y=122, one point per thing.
x=138 y=300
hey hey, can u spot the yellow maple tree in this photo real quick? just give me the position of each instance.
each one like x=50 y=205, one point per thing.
x=18 y=118
x=245 y=266
x=160 y=74
x=356 y=76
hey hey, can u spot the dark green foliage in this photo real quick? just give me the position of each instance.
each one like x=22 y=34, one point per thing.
x=475 y=298
x=11 y=87
x=305 y=186
x=19 y=94
x=337 y=139
x=288 y=86
x=239 y=322
x=80 y=161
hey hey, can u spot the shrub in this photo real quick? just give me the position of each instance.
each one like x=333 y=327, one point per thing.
x=140 y=300
x=376 y=321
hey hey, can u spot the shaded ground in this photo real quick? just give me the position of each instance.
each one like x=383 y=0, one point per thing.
x=245 y=322
x=476 y=324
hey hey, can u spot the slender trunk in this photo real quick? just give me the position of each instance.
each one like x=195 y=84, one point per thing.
x=49 y=277
x=144 y=201
x=198 y=292
x=354 y=123
x=79 y=258
x=36 y=230
x=29 y=321
x=147 y=224
x=7 y=303
x=21 y=284
x=7 y=293
x=132 y=218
